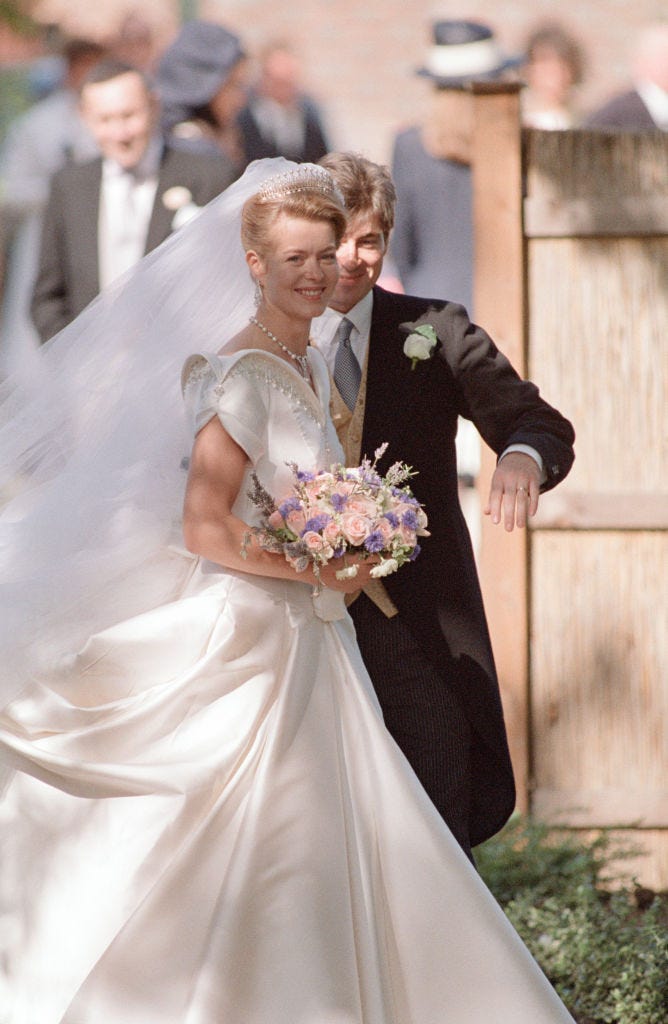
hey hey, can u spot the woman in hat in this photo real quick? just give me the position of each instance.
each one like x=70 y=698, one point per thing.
x=201 y=79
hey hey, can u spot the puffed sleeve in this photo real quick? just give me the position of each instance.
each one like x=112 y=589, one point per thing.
x=221 y=387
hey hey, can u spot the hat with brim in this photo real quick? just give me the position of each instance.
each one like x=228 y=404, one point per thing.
x=194 y=68
x=464 y=52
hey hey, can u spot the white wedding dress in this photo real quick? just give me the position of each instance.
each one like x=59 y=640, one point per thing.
x=211 y=825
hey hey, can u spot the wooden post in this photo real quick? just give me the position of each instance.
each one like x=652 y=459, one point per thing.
x=499 y=306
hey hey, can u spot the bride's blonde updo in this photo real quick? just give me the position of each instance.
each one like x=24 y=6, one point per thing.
x=307 y=192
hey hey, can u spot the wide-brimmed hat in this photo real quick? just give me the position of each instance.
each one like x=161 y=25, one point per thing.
x=463 y=52
x=194 y=67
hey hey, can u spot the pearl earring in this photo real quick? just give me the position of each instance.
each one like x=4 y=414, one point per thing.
x=257 y=298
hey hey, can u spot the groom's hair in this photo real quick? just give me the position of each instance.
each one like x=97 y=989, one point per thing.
x=366 y=187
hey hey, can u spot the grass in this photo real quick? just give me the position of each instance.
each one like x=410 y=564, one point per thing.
x=600 y=939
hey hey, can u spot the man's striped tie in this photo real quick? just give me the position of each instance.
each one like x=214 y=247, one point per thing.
x=347 y=371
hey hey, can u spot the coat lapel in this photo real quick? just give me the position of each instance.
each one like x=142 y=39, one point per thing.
x=84 y=217
x=160 y=224
x=389 y=380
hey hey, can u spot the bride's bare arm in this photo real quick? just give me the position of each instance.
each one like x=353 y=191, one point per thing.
x=211 y=530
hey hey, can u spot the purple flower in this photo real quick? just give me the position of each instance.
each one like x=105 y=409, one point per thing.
x=304 y=476
x=371 y=478
x=410 y=519
x=375 y=542
x=317 y=523
x=414 y=553
x=292 y=504
x=339 y=502
x=392 y=518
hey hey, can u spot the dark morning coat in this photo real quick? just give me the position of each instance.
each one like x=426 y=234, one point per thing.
x=67 y=277
x=416 y=412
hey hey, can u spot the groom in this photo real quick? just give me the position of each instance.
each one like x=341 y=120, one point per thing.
x=422 y=632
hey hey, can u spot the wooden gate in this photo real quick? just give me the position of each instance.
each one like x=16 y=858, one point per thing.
x=572 y=279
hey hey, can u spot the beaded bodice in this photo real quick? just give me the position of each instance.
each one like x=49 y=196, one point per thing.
x=269 y=410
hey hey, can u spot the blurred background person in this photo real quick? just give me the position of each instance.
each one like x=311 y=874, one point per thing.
x=202 y=83
x=279 y=119
x=103 y=215
x=553 y=70
x=41 y=141
x=432 y=244
x=135 y=42
x=645 y=106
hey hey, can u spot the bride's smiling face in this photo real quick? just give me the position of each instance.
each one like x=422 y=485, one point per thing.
x=297 y=271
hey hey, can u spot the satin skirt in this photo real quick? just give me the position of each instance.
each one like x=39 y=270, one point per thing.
x=206 y=822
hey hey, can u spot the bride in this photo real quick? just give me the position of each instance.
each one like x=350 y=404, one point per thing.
x=204 y=818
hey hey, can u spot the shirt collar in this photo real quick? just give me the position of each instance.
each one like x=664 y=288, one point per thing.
x=326 y=325
x=147 y=167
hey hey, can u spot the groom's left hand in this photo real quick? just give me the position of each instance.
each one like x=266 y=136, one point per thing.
x=514 y=491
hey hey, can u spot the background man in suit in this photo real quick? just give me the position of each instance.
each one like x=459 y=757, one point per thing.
x=279 y=120
x=645 y=107
x=103 y=215
x=423 y=633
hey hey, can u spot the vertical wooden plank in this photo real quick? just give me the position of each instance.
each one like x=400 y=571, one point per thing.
x=598 y=319
x=499 y=305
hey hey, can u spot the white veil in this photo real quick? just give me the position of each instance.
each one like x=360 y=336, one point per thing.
x=92 y=443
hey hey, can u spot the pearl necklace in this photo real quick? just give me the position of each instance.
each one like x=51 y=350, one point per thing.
x=301 y=361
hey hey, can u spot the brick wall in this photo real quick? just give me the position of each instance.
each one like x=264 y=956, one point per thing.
x=359 y=58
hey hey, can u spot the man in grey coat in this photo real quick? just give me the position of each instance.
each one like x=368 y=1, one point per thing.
x=432 y=242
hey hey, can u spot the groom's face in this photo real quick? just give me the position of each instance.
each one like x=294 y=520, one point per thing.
x=360 y=257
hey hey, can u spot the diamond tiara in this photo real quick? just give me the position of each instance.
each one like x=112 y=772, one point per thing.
x=306 y=178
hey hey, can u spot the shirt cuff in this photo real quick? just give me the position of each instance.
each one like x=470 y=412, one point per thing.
x=526 y=449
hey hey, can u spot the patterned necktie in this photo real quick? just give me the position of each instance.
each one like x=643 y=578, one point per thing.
x=347 y=371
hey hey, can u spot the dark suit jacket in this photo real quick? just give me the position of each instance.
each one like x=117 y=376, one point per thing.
x=438 y=596
x=623 y=113
x=256 y=146
x=67 y=277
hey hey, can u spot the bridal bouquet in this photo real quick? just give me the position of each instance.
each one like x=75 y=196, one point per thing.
x=343 y=513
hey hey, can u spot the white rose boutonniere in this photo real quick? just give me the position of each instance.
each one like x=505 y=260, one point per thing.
x=179 y=199
x=420 y=344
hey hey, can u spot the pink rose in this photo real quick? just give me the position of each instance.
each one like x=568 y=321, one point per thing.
x=296 y=520
x=356 y=528
x=332 y=533
x=317 y=545
x=363 y=506
x=319 y=486
x=275 y=521
x=386 y=530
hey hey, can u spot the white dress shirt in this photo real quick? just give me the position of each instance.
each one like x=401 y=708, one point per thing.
x=126 y=204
